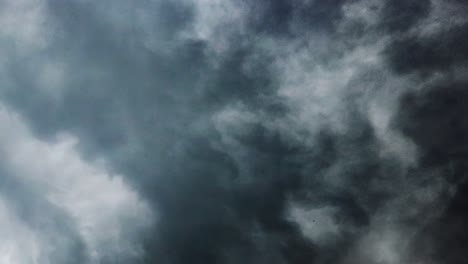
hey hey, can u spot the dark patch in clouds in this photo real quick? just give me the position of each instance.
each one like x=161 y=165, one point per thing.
x=401 y=15
x=426 y=54
x=438 y=109
x=224 y=141
x=283 y=18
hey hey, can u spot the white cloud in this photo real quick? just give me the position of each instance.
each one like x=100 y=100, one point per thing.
x=317 y=224
x=18 y=244
x=23 y=22
x=216 y=21
x=437 y=21
x=318 y=90
x=107 y=212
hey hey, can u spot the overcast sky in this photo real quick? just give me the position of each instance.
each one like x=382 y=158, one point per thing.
x=233 y=131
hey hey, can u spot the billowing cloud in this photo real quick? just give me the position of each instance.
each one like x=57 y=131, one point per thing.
x=225 y=131
x=55 y=207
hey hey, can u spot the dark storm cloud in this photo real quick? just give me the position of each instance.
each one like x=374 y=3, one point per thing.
x=443 y=102
x=123 y=98
x=427 y=54
x=284 y=17
x=402 y=15
x=150 y=99
x=433 y=117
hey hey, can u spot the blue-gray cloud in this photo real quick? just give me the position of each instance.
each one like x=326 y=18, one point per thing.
x=248 y=132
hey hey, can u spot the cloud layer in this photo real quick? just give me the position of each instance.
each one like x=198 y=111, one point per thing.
x=209 y=131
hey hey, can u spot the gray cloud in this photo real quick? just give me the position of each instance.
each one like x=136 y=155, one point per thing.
x=254 y=132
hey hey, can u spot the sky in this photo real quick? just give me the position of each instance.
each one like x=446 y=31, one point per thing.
x=233 y=131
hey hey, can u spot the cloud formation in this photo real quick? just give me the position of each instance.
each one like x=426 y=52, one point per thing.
x=209 y=131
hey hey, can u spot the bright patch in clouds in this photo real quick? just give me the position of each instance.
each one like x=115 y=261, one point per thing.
x=105 y=211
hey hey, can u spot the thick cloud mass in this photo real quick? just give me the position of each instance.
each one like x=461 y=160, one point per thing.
x=233 y=131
